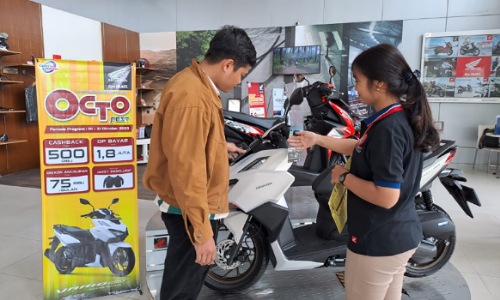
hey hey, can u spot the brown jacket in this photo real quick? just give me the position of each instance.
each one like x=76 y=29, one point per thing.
x=188 y=163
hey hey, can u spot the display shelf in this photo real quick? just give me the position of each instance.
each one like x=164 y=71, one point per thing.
x=10 y=81
x=143 y=150
x=145 y=89
x=141 y=70
x=20 y=66
x=15 y=111
x=13 y=141
x=8 y=52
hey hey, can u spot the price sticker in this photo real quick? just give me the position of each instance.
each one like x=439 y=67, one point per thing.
x=65 y=151
x=106 y=150
x=65 y=181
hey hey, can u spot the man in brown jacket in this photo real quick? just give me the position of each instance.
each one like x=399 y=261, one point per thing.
x=188 y=159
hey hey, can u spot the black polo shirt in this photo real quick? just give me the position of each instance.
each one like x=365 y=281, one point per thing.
x=385 y=155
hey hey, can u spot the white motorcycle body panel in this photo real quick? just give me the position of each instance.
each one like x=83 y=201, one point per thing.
x=432 y=170
x=66 y=239
x=100 y=231
x=283 y=264
x=267 y=182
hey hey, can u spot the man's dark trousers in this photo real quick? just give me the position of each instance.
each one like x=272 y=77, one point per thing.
x=182 y=277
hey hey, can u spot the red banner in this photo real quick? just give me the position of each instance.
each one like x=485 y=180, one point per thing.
x=257 y=99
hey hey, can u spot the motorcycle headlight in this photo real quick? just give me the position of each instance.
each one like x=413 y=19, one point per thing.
x=118 y=233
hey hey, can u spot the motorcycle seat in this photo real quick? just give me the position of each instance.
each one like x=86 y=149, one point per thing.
x=76 y=232
x=430 y=157
x=247 y=119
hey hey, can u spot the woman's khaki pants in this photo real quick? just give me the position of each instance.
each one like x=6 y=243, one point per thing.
x=375 y=277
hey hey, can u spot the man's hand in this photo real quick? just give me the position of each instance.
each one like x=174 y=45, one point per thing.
x=233 y=150
x=205 y=253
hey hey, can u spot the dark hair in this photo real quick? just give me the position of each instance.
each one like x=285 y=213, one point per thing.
x=233 y=43
x=385 y=63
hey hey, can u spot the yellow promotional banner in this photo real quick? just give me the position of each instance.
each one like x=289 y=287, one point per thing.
x=90 y=239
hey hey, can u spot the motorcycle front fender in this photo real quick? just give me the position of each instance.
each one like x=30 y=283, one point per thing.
x=113 y=246
x=235 y=222
x=270 y=215
x=462 y=194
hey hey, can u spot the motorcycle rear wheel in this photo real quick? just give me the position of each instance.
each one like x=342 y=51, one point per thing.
x=249 y=265
x=122 y=262
x=63 y=264
x=445 y=250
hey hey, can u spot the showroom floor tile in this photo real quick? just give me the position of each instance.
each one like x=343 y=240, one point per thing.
x=476 y=256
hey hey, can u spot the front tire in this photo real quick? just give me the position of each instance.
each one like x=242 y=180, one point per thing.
x=445 y=249
x=248 y=266
x=122 y=262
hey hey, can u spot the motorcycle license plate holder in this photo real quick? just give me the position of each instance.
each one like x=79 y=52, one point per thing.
x=462 y=195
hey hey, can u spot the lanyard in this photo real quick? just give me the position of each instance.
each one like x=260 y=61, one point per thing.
x=395 y=108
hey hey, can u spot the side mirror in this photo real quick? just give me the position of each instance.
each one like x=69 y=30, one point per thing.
x=332 y=71
x=296 y=97
x=115 y=200
x=84 y=201
x=286 y=103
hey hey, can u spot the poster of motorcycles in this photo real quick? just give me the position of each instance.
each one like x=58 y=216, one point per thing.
x=461 y=65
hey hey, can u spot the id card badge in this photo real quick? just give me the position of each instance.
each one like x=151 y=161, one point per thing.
x=294 y=154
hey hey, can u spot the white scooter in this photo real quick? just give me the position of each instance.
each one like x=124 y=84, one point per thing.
x=259 y=229
x=101 y=246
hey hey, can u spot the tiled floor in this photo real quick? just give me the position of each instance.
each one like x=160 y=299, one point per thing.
x=477 y=255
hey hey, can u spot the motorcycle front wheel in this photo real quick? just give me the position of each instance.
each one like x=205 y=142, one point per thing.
x=122 y=262
x=248 y=266
x=445 y=248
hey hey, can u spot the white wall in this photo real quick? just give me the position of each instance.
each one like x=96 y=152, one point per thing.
x=419 y=17
x=71 y=36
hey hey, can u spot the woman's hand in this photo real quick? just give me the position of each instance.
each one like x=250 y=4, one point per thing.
x=303 y=140
x=336 y=171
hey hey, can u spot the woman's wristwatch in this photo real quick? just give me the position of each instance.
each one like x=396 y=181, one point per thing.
x=342 y=177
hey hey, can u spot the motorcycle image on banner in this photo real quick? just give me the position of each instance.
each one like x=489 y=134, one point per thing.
x=99 y=247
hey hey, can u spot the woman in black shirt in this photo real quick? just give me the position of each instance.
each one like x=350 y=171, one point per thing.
x=385 y=173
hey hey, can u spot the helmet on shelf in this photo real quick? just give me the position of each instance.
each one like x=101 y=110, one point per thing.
x=142 y=63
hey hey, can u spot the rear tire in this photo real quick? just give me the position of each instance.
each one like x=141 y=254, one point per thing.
x=62 y=263
x=247 y=268
x=445 y=250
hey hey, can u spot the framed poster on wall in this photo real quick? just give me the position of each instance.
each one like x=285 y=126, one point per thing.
x=462 y=66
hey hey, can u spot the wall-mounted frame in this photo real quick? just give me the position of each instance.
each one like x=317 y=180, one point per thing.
x=462 y=66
